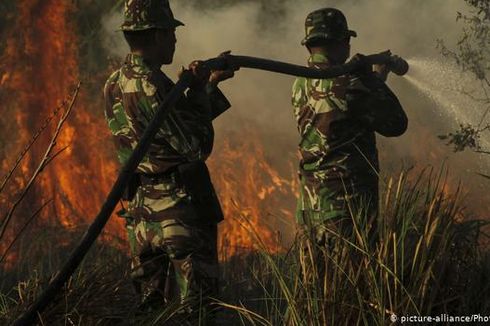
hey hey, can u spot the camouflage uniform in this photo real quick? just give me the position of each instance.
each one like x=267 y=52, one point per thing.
x=172 y=241
x=337 y=120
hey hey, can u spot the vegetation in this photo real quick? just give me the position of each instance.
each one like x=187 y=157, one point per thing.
x=472 y=55
x=426 y=262
x=427 y=259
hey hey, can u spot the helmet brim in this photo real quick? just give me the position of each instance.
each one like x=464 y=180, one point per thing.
x=327 y=36
x=178 y=23
x=174 y=23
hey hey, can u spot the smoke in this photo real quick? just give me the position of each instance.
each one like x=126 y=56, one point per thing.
x=274 y=30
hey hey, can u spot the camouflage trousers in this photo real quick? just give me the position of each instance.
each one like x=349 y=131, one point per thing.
x=330 y=265
x=356 y=209
x=174 y=263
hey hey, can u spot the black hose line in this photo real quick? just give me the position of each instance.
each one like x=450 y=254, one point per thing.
x=396 y=64
x=114 y=196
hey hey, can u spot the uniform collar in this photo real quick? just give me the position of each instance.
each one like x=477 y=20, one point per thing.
x=135 y=66
x=134 y=59
x=318 y=60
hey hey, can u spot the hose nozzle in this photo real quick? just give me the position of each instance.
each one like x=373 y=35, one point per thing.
x=398 y=65
x=394 y=63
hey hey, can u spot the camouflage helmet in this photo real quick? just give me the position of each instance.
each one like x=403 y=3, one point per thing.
x=327 y=24
x=140 y=15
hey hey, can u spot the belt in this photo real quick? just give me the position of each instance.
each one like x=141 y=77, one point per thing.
x=170 y=175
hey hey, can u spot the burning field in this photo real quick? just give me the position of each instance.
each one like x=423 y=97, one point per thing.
x=48 y=47
x=42 y=62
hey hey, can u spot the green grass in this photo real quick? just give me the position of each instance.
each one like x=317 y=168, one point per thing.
x=427 y=262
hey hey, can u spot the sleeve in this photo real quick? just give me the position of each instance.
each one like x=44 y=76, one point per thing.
x=116 y=119
x=195 y=113
x=299 y=101
x=371 y=101
x=298 y=91
x=218 y=101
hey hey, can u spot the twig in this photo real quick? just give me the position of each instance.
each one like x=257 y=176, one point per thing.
x=29 y=146
x=23 y=229
x=45 y=160
x=484 y=175
x=484 y=100
x=484 y=115
x=51 y=158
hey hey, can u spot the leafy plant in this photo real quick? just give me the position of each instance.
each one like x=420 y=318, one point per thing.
x=472 y=55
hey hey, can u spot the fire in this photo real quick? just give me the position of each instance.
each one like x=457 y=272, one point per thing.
x=255 y=197
x=40 y=65
x=41 y=58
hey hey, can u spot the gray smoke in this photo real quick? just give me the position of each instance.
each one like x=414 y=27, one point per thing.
x=274 y=30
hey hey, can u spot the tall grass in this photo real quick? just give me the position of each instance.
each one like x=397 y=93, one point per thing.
x=426 y=261
x=97 y=294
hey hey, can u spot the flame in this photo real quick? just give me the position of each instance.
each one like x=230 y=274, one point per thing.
x=255 y=197
x=41 y=57
x=40 y=65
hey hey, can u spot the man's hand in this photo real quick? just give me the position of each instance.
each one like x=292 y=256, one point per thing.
x=361 y=65
x=218 y=76
x=201 y=74
x=382 y=71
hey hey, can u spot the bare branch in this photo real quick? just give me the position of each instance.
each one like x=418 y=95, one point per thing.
x=29 y=145
x=484 y=100
x=45 y=160
x=483 y=152
x=51 y=158
x=24 y=227
x=484 y=175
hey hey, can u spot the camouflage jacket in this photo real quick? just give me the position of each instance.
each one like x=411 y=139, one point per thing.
x=132 y=95
x=337 y=120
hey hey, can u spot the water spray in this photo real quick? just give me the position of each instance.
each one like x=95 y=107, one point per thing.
x=451 y=91
x=395 y=63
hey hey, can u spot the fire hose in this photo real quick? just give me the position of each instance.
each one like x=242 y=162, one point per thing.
x=394 y=63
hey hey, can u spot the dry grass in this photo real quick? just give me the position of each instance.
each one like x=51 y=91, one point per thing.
x=426 y=262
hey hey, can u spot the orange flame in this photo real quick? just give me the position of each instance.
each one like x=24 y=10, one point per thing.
x=255 y=197
x=41 y=58
x=41 y=64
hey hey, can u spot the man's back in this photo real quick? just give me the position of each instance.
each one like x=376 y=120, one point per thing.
x=337 y=120
x=173 y=210
x=133 y=94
